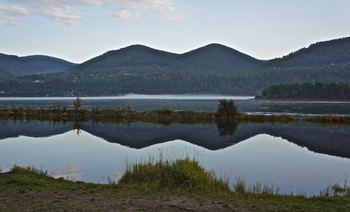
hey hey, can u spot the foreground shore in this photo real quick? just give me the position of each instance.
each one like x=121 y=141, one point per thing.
x=179 y=186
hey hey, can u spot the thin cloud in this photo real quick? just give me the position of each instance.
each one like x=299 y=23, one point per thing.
x=61 y=16
x=127 y=15
x=10 y=15
x=135 y=8
x=10 y=21
x=13 y=12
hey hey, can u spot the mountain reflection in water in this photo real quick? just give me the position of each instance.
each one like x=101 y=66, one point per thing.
x=330 y=140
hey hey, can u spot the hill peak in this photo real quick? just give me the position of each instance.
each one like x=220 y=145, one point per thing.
x=137 y=47
x=211 y=46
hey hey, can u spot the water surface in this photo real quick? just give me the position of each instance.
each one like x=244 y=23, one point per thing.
x=299 y=158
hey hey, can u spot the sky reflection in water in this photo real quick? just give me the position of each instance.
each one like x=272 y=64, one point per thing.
x=262 y=158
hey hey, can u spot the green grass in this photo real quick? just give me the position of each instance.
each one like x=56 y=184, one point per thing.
x=183 y=176
x=28 y=178
x=181 y=182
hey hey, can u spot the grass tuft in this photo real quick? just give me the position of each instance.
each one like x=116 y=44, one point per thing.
x=27 y=170
x=183 y=175
x=341 y=190
x=240 y=185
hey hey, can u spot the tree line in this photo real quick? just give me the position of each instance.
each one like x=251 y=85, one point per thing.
x=244 y=83
x=317 y=90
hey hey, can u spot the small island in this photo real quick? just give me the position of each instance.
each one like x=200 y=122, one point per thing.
x=309 y=91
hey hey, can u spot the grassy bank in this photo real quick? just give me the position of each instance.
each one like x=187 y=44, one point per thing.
x=163 y=116
x=182 y=185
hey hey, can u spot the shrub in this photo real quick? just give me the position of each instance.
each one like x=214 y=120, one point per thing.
x=184 y=175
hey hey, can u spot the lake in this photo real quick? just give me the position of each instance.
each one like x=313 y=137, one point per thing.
x=299 y=157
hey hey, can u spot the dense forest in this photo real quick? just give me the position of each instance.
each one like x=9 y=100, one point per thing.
x=251 y=83
x=308 y=91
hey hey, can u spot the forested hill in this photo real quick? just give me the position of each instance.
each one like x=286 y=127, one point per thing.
x=308 y=91
x=322 y=54
x=138 y=59
x=19 y=66
x=133 y=58
x=219 y=59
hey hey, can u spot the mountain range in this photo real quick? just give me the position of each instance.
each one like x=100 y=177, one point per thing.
x=210 y=59
x=213 y=68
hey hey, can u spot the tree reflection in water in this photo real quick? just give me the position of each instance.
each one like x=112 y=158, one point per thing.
x=226 y=127
x=77 y=127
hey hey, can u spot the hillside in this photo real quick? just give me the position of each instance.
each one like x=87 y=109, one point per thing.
x=322 y=54
x=19 y=66
x=135 y=58
x=4 y=74
x=138 y=59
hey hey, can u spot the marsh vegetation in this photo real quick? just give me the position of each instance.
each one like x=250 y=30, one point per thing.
x=226 y=114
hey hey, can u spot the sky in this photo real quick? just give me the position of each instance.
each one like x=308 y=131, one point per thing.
x=78 y=30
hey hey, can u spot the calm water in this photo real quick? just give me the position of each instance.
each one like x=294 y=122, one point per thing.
x=187 y=102
x=299 y=157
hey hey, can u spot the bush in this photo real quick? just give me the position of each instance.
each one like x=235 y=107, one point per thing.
x=184 y=175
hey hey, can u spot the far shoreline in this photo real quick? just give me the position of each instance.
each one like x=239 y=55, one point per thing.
x=138 y=96
x=301 y=99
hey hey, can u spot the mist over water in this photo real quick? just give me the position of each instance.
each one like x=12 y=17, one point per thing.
x=136 y=96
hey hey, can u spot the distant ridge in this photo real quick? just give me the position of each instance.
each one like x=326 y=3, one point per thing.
x=37 y=64
x=213 y=58
x=326 y=53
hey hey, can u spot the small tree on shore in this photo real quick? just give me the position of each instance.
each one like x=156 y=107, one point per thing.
x=226 y=120
x=78 y=104
x=226 y=109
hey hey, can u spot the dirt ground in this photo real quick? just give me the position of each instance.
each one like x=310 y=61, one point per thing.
x=55 y=201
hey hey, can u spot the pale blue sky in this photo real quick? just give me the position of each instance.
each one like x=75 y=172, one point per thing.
x=77 y=30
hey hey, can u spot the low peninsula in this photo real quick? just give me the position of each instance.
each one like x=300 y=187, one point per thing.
x=308 y=91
